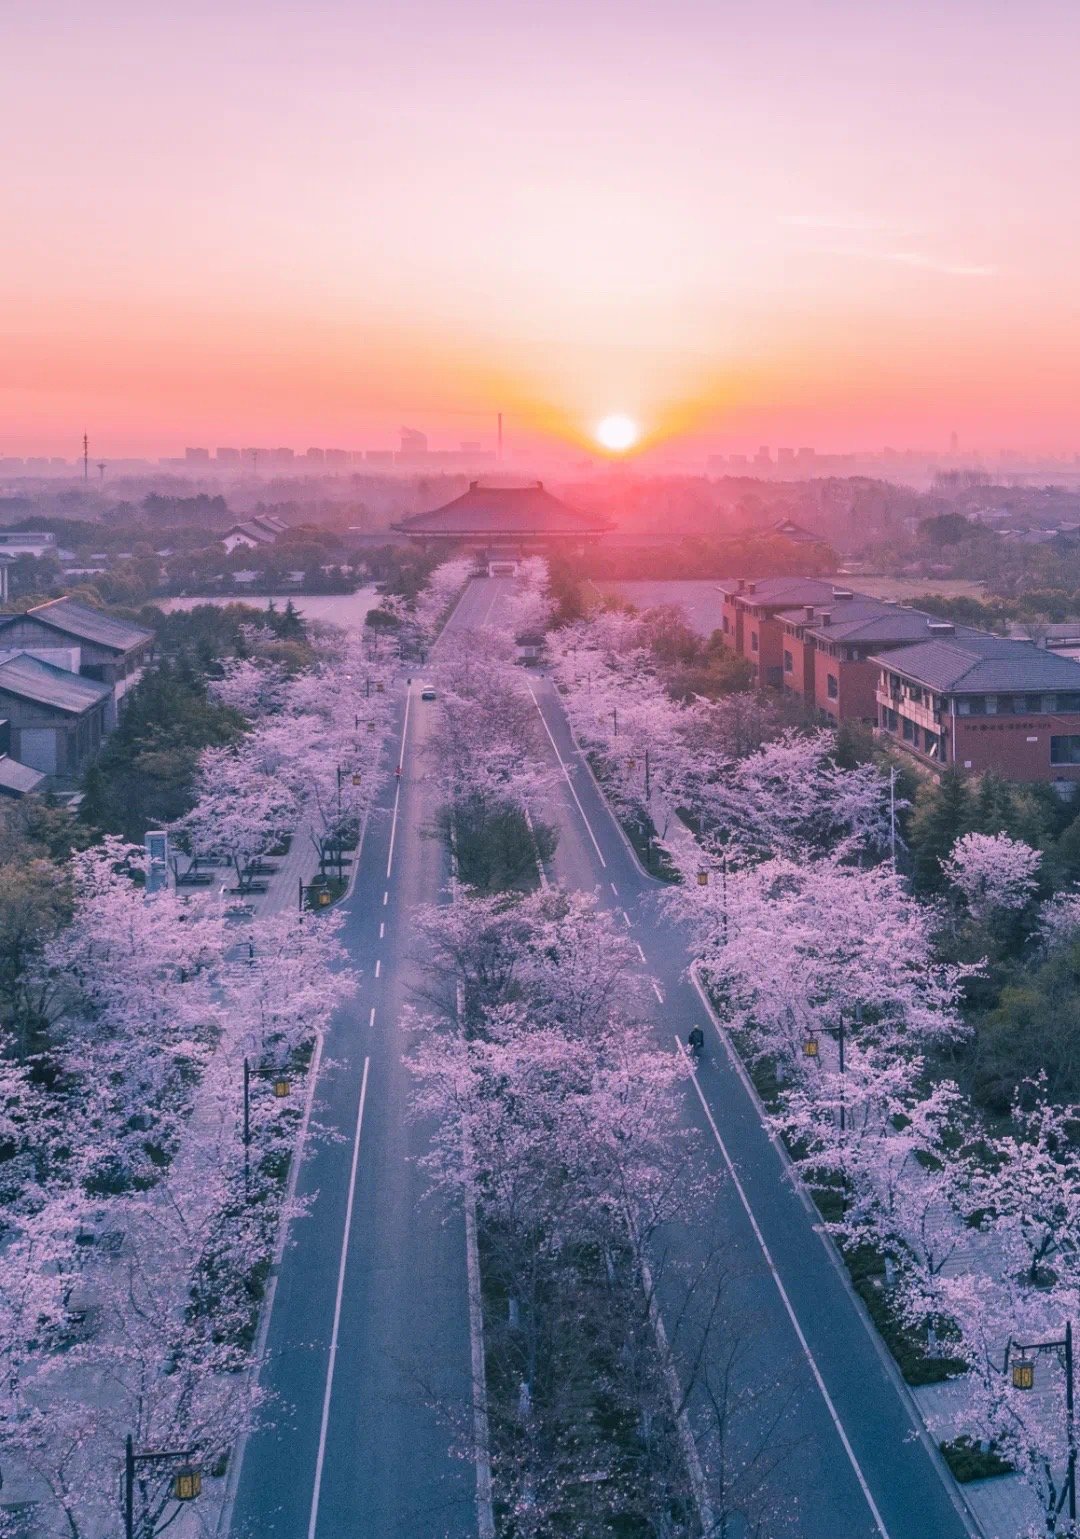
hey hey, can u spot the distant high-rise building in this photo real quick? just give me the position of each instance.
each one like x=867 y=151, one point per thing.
x=337 y=457
x=763 y=457
x=806 y=455
x=282 y=456
x=316 y=456
x=227 y=456
x=954 y=443
x=197 y=456
x=785 y=456
x=414 y=445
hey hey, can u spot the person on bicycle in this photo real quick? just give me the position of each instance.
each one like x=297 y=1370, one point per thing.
x=696 y=1040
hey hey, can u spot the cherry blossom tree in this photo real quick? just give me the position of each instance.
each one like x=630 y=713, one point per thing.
x=792 y=947
x=992 y=872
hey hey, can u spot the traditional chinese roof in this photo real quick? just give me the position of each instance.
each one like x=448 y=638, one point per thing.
x=524 y=512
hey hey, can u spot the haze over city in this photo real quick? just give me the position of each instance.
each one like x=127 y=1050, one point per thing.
x=845 y=224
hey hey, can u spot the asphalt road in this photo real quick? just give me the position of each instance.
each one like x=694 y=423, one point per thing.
x=368 y=1345
x=368 y=1349
x=853 y=1465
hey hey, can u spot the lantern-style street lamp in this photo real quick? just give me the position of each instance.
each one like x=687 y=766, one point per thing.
x=1023 y=1378
x=185 y=1486
x=282 y=1088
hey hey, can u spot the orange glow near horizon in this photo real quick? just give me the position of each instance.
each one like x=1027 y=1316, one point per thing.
x=425 y=216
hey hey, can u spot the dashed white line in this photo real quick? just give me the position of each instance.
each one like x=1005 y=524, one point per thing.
x=397 y=792
x=640 y=953
x=658 y=992
x=371 y=1017
x=614 y=889
x=321 y=1455
x=569 y=782
x=770 y=1263
x=382 y=932
x=378 y=967
x=385 y=899
x=626 y=916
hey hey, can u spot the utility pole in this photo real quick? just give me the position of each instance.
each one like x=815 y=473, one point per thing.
x=86 y=457
x=892 y=814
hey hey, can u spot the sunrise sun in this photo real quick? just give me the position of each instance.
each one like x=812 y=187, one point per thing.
x=617 y=433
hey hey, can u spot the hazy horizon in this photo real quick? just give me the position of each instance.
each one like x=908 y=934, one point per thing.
x=841 y=225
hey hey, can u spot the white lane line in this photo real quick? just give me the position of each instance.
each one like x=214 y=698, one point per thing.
x=385 y=899
x=397 y=792
x=626 y=916
x=382 y=934
x=879 y=1522
x=569 y=782
x=485 y=1515
x=371 y=1017
x=378 y=967
x=321 y=1455
x=640 y=953
x=614 y=889
x=657 y=991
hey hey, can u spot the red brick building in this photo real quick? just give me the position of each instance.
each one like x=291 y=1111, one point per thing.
x=749 y=621
x=982 y=703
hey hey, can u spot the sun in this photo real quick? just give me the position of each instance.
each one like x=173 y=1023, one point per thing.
x=617 y=433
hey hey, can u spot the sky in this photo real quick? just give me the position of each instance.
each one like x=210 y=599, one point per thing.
x=833 y=222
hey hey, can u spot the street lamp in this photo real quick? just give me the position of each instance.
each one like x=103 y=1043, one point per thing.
x=1023 y=1378
x=186 y=1483
x=812 y=1049
x=282 y=1088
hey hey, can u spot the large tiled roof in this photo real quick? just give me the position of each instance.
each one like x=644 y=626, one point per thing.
x=88 y=624
x=29 y=678
x=864 y=619
x=772 y=592
x=975 y=663
x=496 y=510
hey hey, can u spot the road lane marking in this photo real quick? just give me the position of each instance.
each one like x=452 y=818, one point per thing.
x=570 y=783
x=385 y=899
x=657 y=991
x=378 y=967
x=382 y=933
x=397 y=792
x=792 y=1316
x=321 y=1455
x=371 y=1017
x=629 y=921
x=614 y=889
x=485 y=1516
x=640 y=953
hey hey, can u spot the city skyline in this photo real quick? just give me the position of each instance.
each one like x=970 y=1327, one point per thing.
x=794 y=226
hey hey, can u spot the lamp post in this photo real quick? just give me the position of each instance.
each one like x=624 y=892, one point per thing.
x=282 y=1087
x=811 y=1049
x=186 y=1486
x=1023 y=1378
x=615 y=719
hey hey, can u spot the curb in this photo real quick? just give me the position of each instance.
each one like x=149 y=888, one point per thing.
x=952 y=1486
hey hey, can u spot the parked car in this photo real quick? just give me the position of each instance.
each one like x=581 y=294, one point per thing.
x=427 y=692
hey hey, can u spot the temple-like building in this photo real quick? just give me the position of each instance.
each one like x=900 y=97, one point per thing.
x=505 y=522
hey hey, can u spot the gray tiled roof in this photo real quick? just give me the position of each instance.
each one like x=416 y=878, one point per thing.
x=974 y=663
x=773 y=591
x=862 y=619
x=88 y=624
x=18 y=777
x=30 y=679
x=494 y=510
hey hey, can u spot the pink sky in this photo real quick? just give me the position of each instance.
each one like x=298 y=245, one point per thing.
x=826 y=222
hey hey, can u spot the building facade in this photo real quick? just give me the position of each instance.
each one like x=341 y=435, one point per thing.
x=982 y=703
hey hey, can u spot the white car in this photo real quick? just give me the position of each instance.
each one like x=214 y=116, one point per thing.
x=427 y=692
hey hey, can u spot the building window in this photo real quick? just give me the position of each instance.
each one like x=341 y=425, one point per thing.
x=789 y=662
x=974 y=705
x=1068 y=702
x=931 y=744
x=1065 y=750
x=753 y=641
x=832 y=687
x=727 y=627
x=911 y=732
